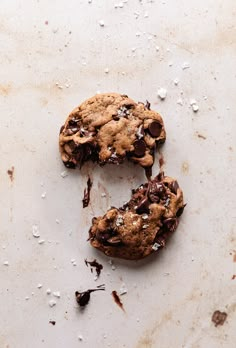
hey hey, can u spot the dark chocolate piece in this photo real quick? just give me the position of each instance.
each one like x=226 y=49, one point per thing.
x=52 y=322
x=139 y=148
x=155 y=129
x=98 y=267
x=83 y=298
x=117 y=300
x=86 y=198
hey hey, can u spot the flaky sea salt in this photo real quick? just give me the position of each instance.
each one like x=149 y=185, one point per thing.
x=162 y=93
x=35 y=231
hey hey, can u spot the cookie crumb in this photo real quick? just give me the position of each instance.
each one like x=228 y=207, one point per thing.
x=48 y=291
x=176 y=82
x=39 y=286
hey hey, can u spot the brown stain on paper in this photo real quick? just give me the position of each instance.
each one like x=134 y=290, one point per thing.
x=10 y=173
x=185 y=168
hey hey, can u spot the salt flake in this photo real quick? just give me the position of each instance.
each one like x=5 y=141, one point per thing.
x=35 y=231
x=162 y=93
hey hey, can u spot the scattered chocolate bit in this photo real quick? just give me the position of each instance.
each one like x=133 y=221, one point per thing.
x=147 y=105
x=52 y=322
x=86 y=198
x=154 y=129
x=143 y=206
x=234 y=258
x=201 y=136
x=218 y=318
x=83 y=298
x=139 y=148
x=98 y=267
x=117 y=300
x=233 y=276
x=10 y=172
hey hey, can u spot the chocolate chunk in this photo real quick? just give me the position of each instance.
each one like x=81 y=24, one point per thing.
x=87 y=190
x=147 y=105
x=139 y=148
x=160 y=176
x=73 y=146
x=157 y=191
x=117 y=299
x=155 y=129
x=69 y=164
x=143 y=206
x=72 y=123
x=170 y=224
x=174 y=187
x=94 y=264
x=83 y=298
x=61 y=129
x=52 y=322
x=180 y=211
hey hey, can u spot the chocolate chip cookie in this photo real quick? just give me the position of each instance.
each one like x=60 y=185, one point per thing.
x=108 y=128
x=143 y=225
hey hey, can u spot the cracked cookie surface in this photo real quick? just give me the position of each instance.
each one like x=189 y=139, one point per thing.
x=108 y=128
x=143 y=225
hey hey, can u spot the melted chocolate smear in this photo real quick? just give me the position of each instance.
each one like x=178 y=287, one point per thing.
x=82 y=298
x=218 y=318
x=94 y=264
x=143 y=206
x=117 y=300
x=87 y=190
x=10 y=172
x=52 y=322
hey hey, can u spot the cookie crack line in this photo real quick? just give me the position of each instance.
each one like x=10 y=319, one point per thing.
x=108 y=128
x=143 y=225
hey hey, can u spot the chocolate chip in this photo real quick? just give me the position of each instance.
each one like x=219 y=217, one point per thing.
x=69 y=164
x=147 y=105
x=143 y=206
x=170 y=224
x=155 y=129
x=139 y=148
x=174 y=187
x=180 y=211
x=73 y=123
x=103 y=236
x=61 y=129
x=157 y=191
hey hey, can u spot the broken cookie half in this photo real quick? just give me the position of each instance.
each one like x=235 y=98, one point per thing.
x=108 y=128
x=143 y=225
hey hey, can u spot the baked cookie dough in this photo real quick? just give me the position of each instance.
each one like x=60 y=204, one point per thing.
x=108 y=128
x=143 y=225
